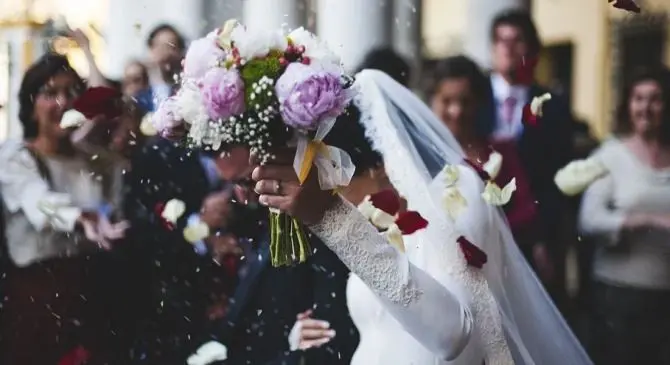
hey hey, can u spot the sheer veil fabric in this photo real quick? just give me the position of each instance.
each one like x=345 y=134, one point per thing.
x=508 y=302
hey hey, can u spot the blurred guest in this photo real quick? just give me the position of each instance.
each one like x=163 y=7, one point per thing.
x=95 y=76
x=388 y=61
x=628 y=211
x=544 y=147
x=52 y=229
x=135 y=78
x=166 y=51
x=458 y=93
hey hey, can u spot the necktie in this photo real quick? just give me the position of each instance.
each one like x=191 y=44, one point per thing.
x=507 y=109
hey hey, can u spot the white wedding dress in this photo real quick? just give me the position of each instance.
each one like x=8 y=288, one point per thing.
x=427 y=306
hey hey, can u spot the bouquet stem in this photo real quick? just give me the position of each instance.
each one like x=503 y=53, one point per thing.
x=288 y=242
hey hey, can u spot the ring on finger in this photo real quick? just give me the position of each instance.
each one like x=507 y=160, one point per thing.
x=278 y=187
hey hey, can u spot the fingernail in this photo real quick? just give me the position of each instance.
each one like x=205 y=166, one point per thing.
x=324 y=324
x=330 y=333
x=263 y=200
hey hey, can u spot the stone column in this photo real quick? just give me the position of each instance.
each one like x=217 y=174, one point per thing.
x=407 y=38
x=480 y=14
x=354 y=27
x=264 y=14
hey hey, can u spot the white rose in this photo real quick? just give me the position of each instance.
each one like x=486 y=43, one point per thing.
x=493 y=164
x=494 y=195
x=189 y=104
x=394 y=236
x=72 y=119
x=315 y=48
x=578 y=175
x=208 y=353
x=257 y=43
x=173 y=210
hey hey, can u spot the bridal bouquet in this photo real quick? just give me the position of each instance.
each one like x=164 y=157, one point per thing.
x=265 y=90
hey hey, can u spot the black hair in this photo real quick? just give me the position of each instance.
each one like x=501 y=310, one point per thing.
x=389 y=62
x=181 y=42
x=522 y=20
x=349 y=134
x=659 y=74
x=457 y=67
x=37 y=75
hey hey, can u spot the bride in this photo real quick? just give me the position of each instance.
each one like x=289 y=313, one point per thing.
x=504 y=315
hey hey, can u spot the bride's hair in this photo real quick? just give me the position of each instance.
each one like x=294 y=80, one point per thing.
x=349 y=135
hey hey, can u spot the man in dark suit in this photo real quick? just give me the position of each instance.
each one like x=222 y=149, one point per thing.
x=268 y=300
x=544 y=147
x=171 y=281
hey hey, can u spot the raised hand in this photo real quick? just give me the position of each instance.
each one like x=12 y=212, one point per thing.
x=307 y=332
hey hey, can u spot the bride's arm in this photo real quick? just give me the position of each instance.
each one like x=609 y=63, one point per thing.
x=428 y=310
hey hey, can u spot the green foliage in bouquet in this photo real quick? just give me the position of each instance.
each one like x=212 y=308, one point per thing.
x=253 y=71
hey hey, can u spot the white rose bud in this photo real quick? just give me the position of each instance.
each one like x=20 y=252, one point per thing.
x=578 y=175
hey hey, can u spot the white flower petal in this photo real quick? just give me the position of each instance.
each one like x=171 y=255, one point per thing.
x=208 y=353
x=578 y=175
x=494 y=195
x=197 y=232
x=453 y=201
x=394 y=236
x=173 y=209
x=147 y=126
x=493 y=164
x=72 y=118
x=451 y=175
x=366 y=208
x=381 y=219
x=537 y=102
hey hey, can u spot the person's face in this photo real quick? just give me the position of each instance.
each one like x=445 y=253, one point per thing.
x=509 y=48
x=53 y=99
x=165 y=52
x=454 y=103
x=646 y=108
x=134 y=79
x=235 y=166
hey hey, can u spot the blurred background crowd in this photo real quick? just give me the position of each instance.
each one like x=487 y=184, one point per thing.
x=604 y=66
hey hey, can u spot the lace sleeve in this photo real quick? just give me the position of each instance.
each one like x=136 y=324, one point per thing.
x=411 y=295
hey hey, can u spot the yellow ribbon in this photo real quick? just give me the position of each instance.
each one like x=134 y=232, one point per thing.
x=313 y=148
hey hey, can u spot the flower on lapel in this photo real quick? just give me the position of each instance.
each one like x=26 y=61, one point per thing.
x=97 y=101
x=173 y=210
x=525 y=73
x=628 y=5
x=78 y=356
x=158 y=211
x=493 y=194
x=208 y=353
x=452 y=200
x=576 y=176
x=474 y=256
x=533 y=111
x=383 y=211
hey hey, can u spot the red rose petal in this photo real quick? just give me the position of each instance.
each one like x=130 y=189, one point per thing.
x=478 y=168
x=386 y=200
x=97 y=101
x=410 y=222
x=628 y=5
x=78 y=356
x=529 y=118
x=473 y=255
x=525 y=73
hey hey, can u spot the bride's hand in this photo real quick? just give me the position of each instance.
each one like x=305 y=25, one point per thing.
x=307 y=332
x=279 y=188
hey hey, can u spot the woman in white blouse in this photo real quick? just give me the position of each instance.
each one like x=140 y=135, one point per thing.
x=51 y=218
x=628 y=211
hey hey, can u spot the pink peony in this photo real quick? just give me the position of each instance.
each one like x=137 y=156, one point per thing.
x=166 y=117
x=202 y=55
x=223 y=93
x=309 y=95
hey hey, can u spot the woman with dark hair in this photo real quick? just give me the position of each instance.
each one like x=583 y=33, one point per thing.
x=628 y=212
x=457 y=98
x=50 y=222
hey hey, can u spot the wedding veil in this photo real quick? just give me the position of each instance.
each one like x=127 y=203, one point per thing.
x=416 y=146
